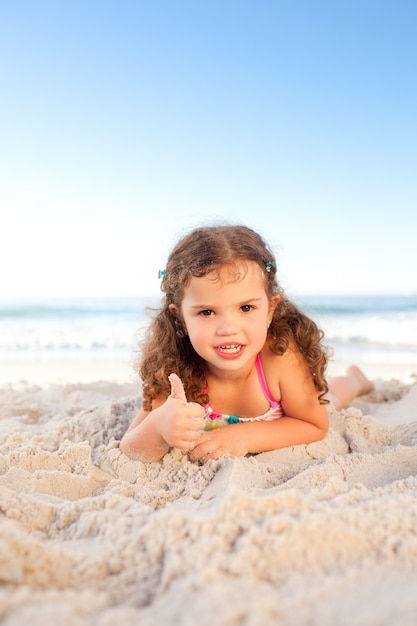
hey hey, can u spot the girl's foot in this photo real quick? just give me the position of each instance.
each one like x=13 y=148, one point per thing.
x=364 y=384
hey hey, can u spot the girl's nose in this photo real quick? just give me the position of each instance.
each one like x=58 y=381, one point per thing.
x=227 y=326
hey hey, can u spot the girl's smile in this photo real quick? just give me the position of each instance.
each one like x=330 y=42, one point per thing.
x=230 y=351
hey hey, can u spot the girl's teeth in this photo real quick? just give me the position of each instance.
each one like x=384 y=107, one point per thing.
x=229 y=348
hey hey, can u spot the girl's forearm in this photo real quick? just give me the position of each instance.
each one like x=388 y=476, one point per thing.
x=255 y=437
x=282 y=433
x=144 y=443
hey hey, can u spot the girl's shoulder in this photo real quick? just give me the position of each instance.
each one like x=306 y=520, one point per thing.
x=269 y=357
x=277 y=367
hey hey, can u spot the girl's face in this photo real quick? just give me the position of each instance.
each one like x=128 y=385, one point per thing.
x=227 y=316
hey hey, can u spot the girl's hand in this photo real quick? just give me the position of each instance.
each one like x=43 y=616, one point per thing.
x=180 y=422
x=216 y=443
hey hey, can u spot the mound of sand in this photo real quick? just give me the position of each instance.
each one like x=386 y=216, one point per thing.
x=324 y=533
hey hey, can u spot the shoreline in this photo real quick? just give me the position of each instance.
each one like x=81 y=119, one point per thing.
x=57 y=369
x=71 y=370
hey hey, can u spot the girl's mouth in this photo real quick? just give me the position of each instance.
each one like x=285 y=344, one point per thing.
x=229 y=350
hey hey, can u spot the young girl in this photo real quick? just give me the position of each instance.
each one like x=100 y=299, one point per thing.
x=229 y=364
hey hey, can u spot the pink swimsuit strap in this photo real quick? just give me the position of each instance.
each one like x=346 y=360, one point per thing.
x=263 y=383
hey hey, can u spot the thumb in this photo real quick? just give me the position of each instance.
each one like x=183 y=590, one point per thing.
x=177 y=388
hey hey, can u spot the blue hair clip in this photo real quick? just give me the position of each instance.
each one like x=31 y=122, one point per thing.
x=161 y=273
x=270 y=265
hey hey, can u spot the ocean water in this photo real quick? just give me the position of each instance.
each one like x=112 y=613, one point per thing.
x=360 y=329
x=76 y=327
x=367 y=329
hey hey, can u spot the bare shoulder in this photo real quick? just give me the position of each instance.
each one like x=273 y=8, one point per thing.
x=281 y=362
x=289 y=376
x=281 y=369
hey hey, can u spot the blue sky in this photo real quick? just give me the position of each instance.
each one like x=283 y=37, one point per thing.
x=123 y=124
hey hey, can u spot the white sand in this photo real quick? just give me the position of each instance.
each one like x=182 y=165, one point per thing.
x=324 y=534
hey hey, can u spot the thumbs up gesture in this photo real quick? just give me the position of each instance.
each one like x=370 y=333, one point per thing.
x=181 y=421
x=177 y=388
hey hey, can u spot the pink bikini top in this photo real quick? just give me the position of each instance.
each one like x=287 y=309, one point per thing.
x=275 y=411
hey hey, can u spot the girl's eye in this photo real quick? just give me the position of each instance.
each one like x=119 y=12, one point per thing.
x=206 y=312
x=246 y=308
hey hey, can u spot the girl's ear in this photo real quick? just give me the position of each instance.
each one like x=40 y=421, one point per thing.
x=180 y=329
x=273 y=305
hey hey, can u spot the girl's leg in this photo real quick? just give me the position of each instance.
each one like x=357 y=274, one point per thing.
x=344 y=389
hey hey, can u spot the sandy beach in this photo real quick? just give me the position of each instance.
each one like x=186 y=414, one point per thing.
x=177 y=177
x=318 y=534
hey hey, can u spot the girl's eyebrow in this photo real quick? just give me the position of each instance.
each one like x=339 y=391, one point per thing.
x=210 y=306
x=201 y=306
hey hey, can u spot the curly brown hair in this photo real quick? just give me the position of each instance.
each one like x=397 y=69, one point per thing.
x=167 y=348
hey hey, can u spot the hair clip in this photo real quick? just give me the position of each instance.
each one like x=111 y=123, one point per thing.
x=270 y=265
x=161 y=273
